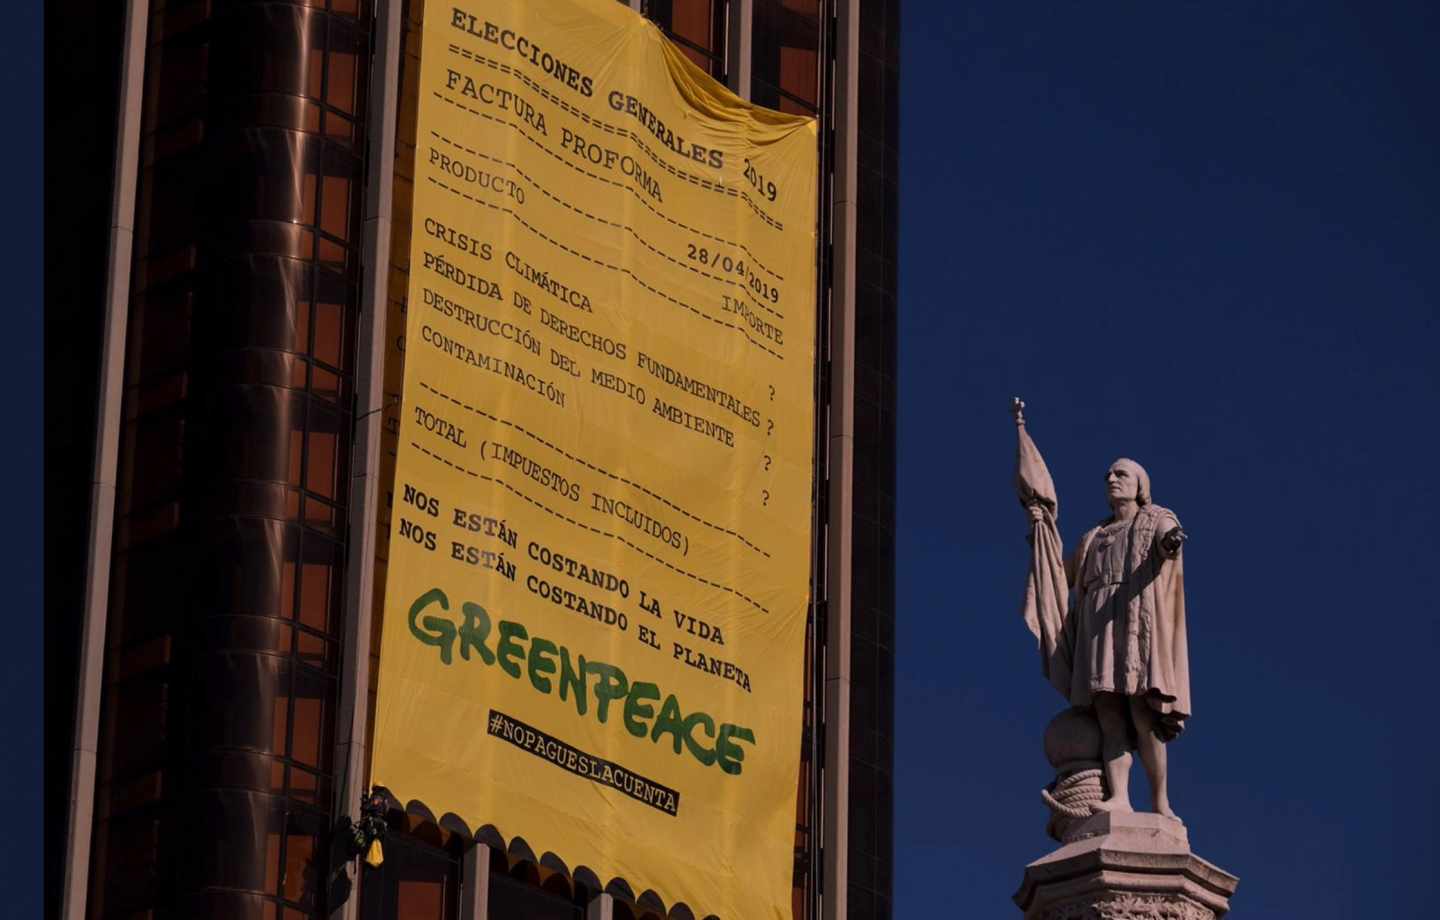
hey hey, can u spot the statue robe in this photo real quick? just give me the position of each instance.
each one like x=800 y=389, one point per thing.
x=1123 y=628
x=1126 y=623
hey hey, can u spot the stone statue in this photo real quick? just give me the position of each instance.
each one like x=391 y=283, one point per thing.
x=1110 y=621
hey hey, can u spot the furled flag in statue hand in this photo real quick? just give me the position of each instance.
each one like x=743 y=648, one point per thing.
x=1046 y=590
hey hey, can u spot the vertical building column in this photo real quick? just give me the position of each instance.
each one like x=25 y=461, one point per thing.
x=475 y=883
x=602 y=908
x=107 y=446
x=739 y=45
x=836 y=796
x=352 y=749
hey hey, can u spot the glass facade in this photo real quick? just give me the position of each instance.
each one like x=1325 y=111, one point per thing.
x=698 y=27
x=420 y=878
x=785 y=55
x=214 y=786
x=216 y=792
x=872 y=649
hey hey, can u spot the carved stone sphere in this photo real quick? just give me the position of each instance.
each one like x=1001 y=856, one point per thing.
x=1072 y=737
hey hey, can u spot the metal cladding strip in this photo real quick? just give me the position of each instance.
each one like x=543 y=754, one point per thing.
x=351 y=751
x=836 y=801
x=107 y=441
x=475 y=885
x=739 y=46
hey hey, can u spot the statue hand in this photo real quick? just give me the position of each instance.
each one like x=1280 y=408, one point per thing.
x=1037 y=513
x=1173 y=540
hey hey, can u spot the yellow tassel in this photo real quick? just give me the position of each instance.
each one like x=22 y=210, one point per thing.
x=375 y=856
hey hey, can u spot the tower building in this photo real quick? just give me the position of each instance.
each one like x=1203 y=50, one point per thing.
x=223 y=185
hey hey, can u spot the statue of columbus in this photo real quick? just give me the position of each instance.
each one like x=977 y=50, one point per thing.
x=1110 y=620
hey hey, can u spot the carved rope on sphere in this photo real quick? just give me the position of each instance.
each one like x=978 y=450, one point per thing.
x=1074 y=795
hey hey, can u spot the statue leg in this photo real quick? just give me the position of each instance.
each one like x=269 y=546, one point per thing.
x=1152 y=753
x=1115 y=749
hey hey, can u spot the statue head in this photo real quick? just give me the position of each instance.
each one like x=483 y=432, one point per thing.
x=1127 y=479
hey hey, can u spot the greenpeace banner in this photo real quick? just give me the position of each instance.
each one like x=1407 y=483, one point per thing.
x=600 y=536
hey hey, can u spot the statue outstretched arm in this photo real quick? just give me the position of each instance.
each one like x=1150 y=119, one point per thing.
x=1172 y=540
x=1170 y=537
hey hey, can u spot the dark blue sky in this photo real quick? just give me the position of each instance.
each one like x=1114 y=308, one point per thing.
x=1206 y=236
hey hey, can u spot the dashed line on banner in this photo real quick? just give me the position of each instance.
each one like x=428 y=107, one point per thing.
x=617 y=225
x=586 y=463
x=596 y=530
x=594 y=261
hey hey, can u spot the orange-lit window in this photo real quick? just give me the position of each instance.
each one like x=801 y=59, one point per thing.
x=785 y=62
x=698 y=27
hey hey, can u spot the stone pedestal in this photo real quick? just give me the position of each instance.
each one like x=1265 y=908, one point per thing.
x=1125 y=867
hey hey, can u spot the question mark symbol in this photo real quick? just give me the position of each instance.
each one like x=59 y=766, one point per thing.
x=772 y=392
x=765 y=497
x=767 y=463
x=771 y=430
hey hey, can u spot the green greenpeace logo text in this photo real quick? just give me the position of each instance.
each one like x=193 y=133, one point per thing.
x=594 y=685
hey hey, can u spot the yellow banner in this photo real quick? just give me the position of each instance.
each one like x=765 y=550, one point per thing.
x=599 y=554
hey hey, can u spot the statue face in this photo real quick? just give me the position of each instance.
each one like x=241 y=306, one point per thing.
x=1122 y=482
